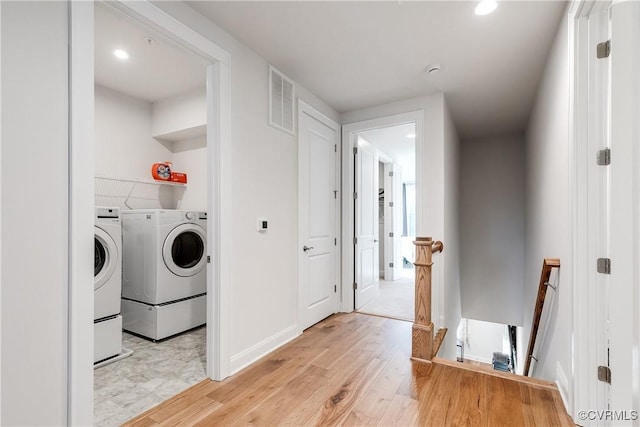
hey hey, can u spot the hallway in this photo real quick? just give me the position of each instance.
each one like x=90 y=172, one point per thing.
x=354 y=369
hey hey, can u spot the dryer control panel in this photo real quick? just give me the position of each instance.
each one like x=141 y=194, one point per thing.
x=107 y=212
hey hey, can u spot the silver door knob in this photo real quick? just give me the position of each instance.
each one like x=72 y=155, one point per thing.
x=307 y=248
x=375 y=241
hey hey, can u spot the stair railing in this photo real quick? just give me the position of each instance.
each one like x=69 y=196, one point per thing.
x=547 y=265
x=422 y=336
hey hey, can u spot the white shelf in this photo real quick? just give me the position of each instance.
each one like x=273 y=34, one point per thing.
x=124 y=190
x=142 y=181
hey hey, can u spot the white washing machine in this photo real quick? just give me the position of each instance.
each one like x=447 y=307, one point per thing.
x=107 y=283
x=164 y=274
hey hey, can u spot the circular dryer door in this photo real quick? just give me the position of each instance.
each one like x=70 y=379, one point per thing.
x=105 y=256
x=184 y=250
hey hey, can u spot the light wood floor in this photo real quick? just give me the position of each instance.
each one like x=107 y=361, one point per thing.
x=354 y=369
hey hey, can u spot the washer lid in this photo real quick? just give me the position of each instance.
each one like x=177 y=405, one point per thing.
x=184 y=250
x=105 y=256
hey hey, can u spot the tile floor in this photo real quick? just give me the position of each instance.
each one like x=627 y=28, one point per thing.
x=151 y=375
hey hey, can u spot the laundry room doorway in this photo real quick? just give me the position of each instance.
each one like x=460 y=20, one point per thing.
x=160 y=96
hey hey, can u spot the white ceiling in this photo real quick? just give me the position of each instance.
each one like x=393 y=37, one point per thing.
x=355 y=54
x=393 y=142
x=152 y=72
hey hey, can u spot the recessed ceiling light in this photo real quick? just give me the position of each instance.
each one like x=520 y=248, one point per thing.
x=411 y=135
x=485 y=7
x=121 y=54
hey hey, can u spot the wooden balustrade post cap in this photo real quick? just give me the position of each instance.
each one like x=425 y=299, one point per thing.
x=423 y=241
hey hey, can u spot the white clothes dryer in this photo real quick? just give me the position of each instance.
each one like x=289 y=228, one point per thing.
x=107 y=267
x=107 y=283
x=165 y=255
x=164 y=274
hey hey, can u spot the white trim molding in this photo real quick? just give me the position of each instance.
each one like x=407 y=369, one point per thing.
x=264 y=347
x=81 y=214
x=584 y=396
x=219 y=224
x=0 y=220
x=349 y=133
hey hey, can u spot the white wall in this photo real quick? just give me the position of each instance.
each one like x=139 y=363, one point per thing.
x=178 y=114
x=35 y=213
x=432 y=221
x=548 y=210
x=492 y=229
x=191 y=156
x=263 y=311
x=482 y=339
x=450 y=299
x=125 y=148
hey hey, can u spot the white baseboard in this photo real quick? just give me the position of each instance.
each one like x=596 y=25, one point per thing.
x=563 y=387
x=264 y=347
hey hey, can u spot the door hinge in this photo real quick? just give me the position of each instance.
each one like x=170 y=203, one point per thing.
x=335 y=288
x=391 y=264
x=335 y=194
x=355 y=195
x=355 y=240
x=604 y=157
x=355 y=150
x=208 y=259
x=355 y=286
x=391 y=234
x=603 y=50
x=604 y=265
x=390 y=173
x=604 y=374
x=335 y=148
x=335 y=241
x=390 y=204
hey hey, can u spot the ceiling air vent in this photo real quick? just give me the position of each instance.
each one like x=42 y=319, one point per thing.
x=280 y=101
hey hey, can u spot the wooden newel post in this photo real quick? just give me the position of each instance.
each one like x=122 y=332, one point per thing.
x=422 y=331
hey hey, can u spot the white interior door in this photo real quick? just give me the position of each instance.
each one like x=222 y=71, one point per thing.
x=318 y=215
x=366 y=227
x=393 y=221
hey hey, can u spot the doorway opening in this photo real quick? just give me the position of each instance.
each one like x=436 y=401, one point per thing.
x=385 y=221
x=150 y=108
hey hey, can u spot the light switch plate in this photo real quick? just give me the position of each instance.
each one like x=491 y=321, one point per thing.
x=263 y=224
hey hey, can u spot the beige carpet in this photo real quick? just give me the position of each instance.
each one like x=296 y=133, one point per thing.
x=396 y=299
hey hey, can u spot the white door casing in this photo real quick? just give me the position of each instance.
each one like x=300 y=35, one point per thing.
x=366 y=225
x=599 y=184
x=590 y=190
x=605 y=211
x=318 y=215
x=349 y=142
x=80 y=376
